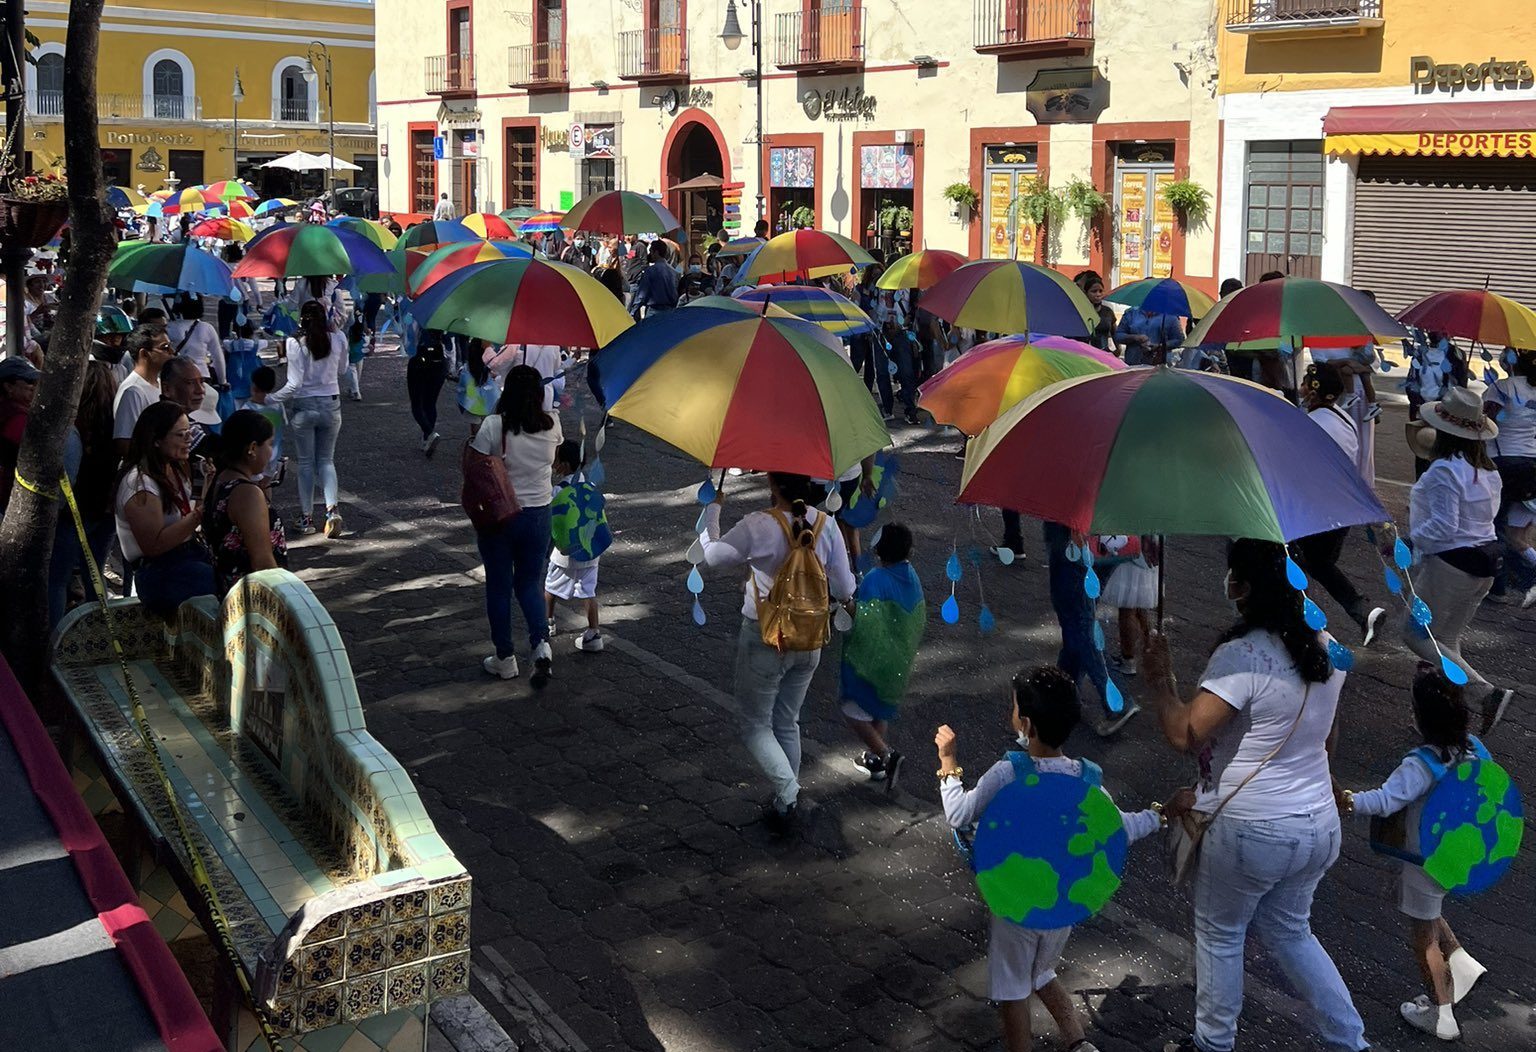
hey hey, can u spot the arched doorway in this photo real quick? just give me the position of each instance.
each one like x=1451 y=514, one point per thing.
x=695 y=165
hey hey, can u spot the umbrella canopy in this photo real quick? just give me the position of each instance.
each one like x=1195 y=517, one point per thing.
x=222 y=228
x=489 y=225
x=541 y=223
x=230 y=190
x=172 y=268
x=437 y=232
x=189 y=200
x=836 y=313
x=125 y=197
x=325 y=160
x=295 y=250
x=372 y=229
x=234 y=209
x=524 y=301
x=802 y=254
x=921 y=270
x=1167 y=451
x=1163 y=296
x=1010 y=296
x=1304 y=311
x=297 y=161
x=518 y=214
x=772 y=310
x=275 y=204
x=620 y=212
x=989 y=380
x=426 y=267
x=741 y=246
x=696 y=378
x=1475 y=314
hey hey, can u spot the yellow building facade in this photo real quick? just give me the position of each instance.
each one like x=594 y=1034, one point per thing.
x=870 y=110
x=167 y=86
x=1389 y=144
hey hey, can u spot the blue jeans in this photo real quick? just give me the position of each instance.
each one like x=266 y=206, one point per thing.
x=770 y=688
x=1262 y=873
x=170 y=579
x=315 y=424
x=515 y=557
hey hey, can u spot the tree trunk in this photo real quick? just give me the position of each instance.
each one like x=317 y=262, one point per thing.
x=26 y=534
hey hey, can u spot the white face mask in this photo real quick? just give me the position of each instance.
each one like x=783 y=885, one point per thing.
x=1022 y=739
x=1230 y=586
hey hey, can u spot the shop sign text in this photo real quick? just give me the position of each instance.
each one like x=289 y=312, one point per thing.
x=850 y=104
x=120 y=138
x=1427 y=76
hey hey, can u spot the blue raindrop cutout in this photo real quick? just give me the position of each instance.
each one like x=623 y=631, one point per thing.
x=1453 y=672
x=1394 y=582
x=890 y=367
x=1313 y=615
x=1401 y=555
x=1294 y=574
x=1421 y=614
x=1088 y=555
x=985 y=621
x=698 y=613
x=1005 y=555
x=706 y=492
x=1509 y=356
x=1074 y=553
x=951 y=611
x=874 y=538
x=1098 y=636
x=695 y=581
x=1386 y=366
x=952 y=568
x=1487 y=355
x=1112 y=696
x=240 y=317
x=1091 y=584
x=1490 y=377
x=698 y=527
x=596 y=473
x=1342 y=657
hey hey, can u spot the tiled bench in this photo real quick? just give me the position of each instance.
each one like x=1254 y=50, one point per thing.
x=348 y=912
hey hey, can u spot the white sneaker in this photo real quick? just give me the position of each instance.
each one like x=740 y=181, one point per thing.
x=1372 y=623
x=505 y=667
x=590 y=642
x=1431 y=1018
x=543 y=661
x=1465 y=972
x=1529 y=599
x=431 y=443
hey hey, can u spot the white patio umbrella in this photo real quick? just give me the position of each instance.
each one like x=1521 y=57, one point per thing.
x=325 y=160
x=297 y=161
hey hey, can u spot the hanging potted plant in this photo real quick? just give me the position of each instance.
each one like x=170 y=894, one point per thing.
x=963 y=200
x=33 y=209
x=1191 y=202
x=1083 y=202
x=803 y=218
x=1038 y=204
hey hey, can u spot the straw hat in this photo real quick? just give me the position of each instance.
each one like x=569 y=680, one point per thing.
x=1459 y=413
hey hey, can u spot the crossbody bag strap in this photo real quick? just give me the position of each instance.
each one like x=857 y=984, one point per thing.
x=1272 y=754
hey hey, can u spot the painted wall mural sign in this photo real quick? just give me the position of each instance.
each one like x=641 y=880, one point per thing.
x=556 y=140
x=150 y=161
x=1067 y=96
x=1428 y=76
x=849 y=104
x=121 y=138
x=674 y=99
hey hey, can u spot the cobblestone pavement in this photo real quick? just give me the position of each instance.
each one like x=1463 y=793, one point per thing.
x=626 y=896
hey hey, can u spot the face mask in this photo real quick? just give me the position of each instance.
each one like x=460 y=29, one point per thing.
x=1229 y=585
x=694 y=268
x=1022 y=739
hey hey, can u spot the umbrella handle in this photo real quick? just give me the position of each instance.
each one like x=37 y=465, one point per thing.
x=720 y=489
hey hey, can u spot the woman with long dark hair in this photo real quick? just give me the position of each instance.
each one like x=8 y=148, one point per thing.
x=156 y=519
x=1259 y=723
x=516 y=553
x=243 y=529
x=316 y=356
x=91 y=461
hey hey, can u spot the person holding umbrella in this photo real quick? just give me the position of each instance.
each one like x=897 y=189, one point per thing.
x=1146 y=337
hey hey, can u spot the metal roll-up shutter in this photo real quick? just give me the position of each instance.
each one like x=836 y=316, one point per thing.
x=1427 y=224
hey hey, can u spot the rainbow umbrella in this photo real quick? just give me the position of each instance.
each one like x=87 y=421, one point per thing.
x=294 y=250
x=1167 y=451
x=541 y=223
x=229 y=190
x=142 y=266
x=222 y=228
x=372 y=229
x=620 y=212
x=990 y=379
x=1163 y=296
x=235 y=209
x=741 y=246
x=404 y=259
x=275 y=204
x=834 y=312
x=1301 y=311
x=524 y=301
x=1475 y=314
x=191 y=199
x=696 y=378
x=802 y=254
x=1011 y=296
x=437 y=232
x=123 y=198
x=489 y=225
x=921 y=270
x=519 y=213
x=426 y=267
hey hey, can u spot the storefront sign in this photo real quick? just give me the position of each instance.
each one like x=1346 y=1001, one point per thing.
x=850 y=104
x=672 y=99
x=888 y=167
x=600 y=139
x=449 y=118
x=1162 y=228
x=999 y=195
x=556 y=140
x=1427 y=76
x=1133 y=213
x=1067 y=96
x=122 y=138
x=1436 y=144
x=1010 y=155
x=792 y=166
x=151 y=161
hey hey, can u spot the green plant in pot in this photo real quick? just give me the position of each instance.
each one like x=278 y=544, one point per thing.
x=803 y=217
x=895 y=218
x=33 y=208
x=1084 y=202
x=1190 y=201
x=964 y=197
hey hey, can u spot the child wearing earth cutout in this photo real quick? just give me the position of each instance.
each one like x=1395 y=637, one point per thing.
x=1022 y=961
x=1441 y=716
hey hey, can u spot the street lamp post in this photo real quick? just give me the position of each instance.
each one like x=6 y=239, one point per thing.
x=238 y=95
x=318 y=48
x=732 y=36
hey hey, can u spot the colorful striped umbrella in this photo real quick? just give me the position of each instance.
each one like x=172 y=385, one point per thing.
x=1475 y=314
x=489 y=225
x=746 y=391
x=989 y=380
x=1163 y=296
x=772 y=310
x=741 y=246
x=437 y=232
x=1302 y=311
x=123 y=198
x=524 y=301
x=142 y=266
x=426 y=267
x=921 y=270
x=230 y=190
x=275 y=204
x=192 y=199
x=620 y=212
x=236 y=209
x=222 y=228
x=542 y=223
x=519 y=213
x=1168 y=451
x=372 y=229
x=802 y=254
x=836 y=313
x=1011 y=296
x=295 y=250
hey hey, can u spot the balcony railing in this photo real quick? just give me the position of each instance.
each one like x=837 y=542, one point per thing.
x=299 y=110
x=1034 y=27
x=1258 y=16
x=49 y=106
x=450 y=74
x=653 y=53
x=820 y=38
x=535 y=66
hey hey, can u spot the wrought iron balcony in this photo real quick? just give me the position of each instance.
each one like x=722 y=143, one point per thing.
x=538 y=66
x=49 y=106
x=1034 y=28
x=820 y=39
x=302 y=111
x=1261 y=16
x=450 y=75
x=653 y=53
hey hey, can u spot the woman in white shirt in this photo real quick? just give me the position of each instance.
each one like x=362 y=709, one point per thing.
x=1260 y=724
x=771 y=685
x=316 y=356
x=516 y=553
x=1450 y=520
x=1512 y=404
x=195 y=340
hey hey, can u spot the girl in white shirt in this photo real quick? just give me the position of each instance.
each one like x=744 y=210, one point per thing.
x=316 y=356
x=195 y=340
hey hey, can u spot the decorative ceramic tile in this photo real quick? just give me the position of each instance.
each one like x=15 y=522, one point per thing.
x=320 y=1008
x=284 y=1014
x=450 y=933
x=409 y=906
x=368 y=915
x=366 y=951
x=363 y=998
x=407 y=986
x=450 y=896
x=448 y=976
x=329 y=928
x=320 y=964
x=407 y=942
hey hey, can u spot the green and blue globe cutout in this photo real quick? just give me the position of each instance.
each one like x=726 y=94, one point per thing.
x=1471 y=828
x=1049 y=851
x=579 y=523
